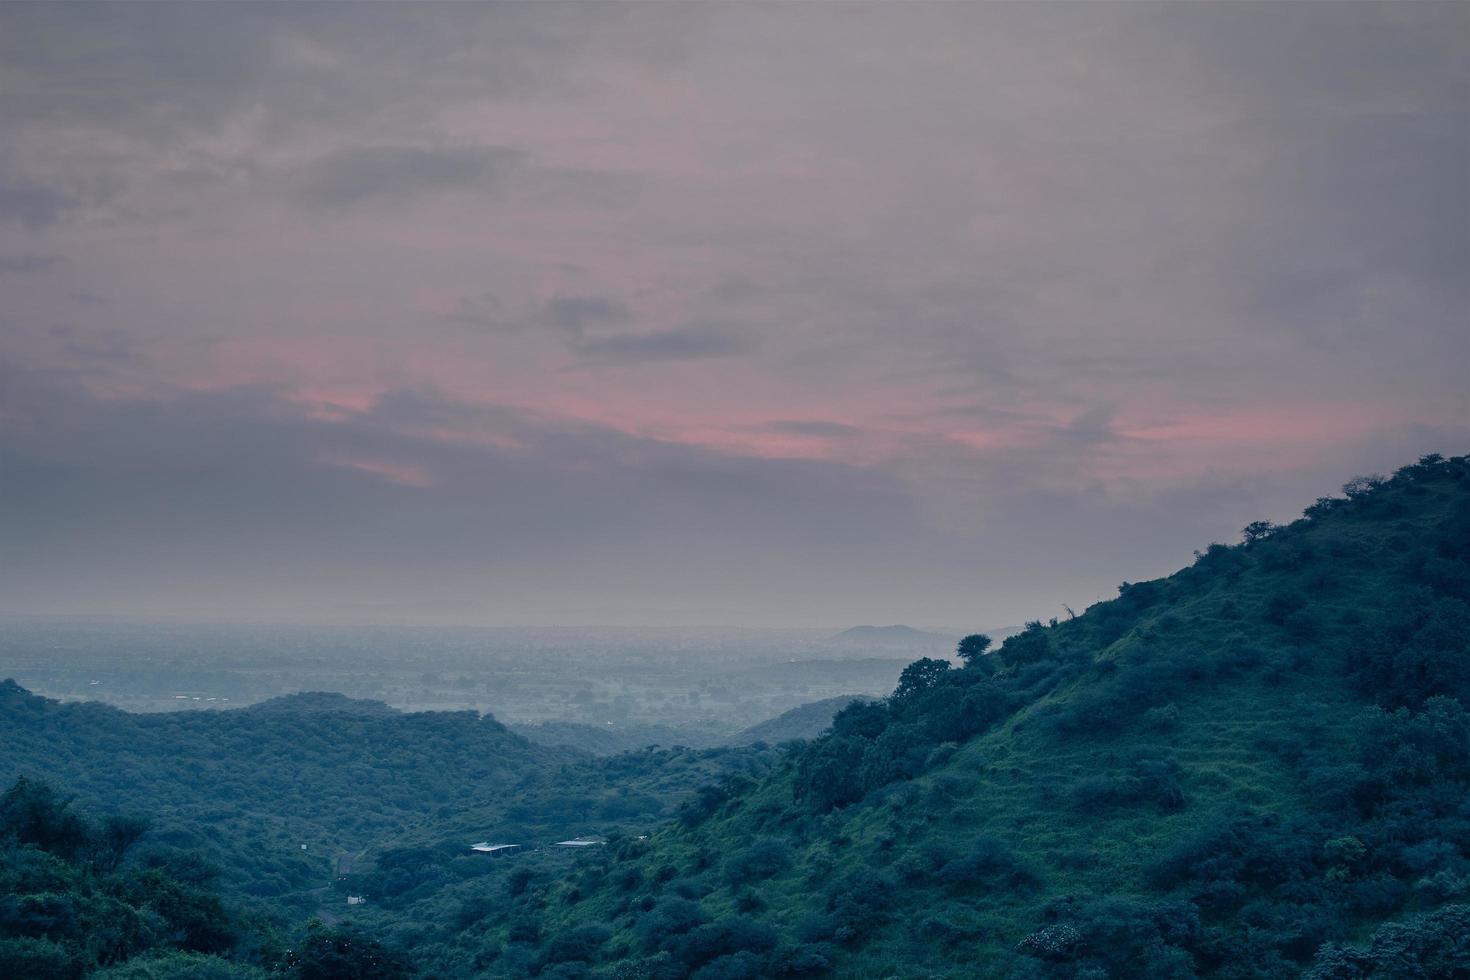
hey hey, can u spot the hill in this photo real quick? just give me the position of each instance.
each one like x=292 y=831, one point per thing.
x=884 y=634
x=284 y=795
x=802 y=722
x=891 y=639
x=1255 y=767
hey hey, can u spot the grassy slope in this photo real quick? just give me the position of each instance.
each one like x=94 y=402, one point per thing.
x=1260 y=688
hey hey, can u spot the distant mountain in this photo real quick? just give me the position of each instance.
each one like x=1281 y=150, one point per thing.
x=803 y=722
x=894 y=639
x=885 y=634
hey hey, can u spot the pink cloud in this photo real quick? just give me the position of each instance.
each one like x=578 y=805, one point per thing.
x=401 y=474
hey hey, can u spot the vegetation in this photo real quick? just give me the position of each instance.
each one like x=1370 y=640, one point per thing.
x=1256 y=767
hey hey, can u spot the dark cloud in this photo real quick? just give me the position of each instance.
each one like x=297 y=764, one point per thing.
x=576 y=313
x=163 y=74
x=691 y=342
x=361 y=173
x=29 y=263
x=34 y=206
x=484 y=311
x=1091 y=428
x=87 y=348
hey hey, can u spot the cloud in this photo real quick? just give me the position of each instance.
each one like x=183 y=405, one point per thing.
x=28 y=263
x=692 y=342
x=88 y=348
x=576 y=313
x=484 y=311
x=356 y=174
x=996 y=272
x=33 y=205
x=809 y=427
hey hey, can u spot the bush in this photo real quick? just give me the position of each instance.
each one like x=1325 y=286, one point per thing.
x=1429 y=747
x=1163 y=719
x=828 y=774
x=859 y=902
x=1423 y=653
x=1149 y=779
x=670 y=917
x=1428 y=945
x=810 y=959
x=743 y=965
x=37 y=959
x=1227 y=857
x=1031 y=645
x=1282 y=605
x=580 y=943
x=989 y=861
x=721 y=938
x=764 y=859
x=180 y=966
x=343 y=954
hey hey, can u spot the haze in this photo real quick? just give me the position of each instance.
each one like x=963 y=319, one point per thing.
x=719 y=314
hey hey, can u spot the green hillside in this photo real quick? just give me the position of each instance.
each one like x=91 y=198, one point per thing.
x=283 y=796
x=1255 y=767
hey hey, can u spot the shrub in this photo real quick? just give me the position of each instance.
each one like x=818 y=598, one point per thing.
x=989 y=860
x=923 y=861
x=1149 y=778
x=328 y=954
x=723 y=937
x=809 y=959
x=858 y=902
x=948 y=928
x=1431 y=944
x=1162 y=719
x=1031 y=645
x=579 y=943
x=1282 y=605
x=1423 y=653
x=743 y=965
x=670 y=917
x=764 y=859
x=828 y=774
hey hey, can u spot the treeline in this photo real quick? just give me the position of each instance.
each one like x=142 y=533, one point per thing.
x=82 y=897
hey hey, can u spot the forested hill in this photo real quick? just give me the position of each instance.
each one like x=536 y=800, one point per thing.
x=803 y=722
x=1256 y=767
x=319 y=770
x=350 y=780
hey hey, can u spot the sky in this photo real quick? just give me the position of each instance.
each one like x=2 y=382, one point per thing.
x=672 y=314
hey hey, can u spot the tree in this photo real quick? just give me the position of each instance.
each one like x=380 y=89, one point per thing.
x=1029 y=646
x=1258 y=531
x=34 y=813
x=113 y=840
x=827 y=775
x=343 y=954
x=1361 y=486
x=972 y=650
x=920 y=676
